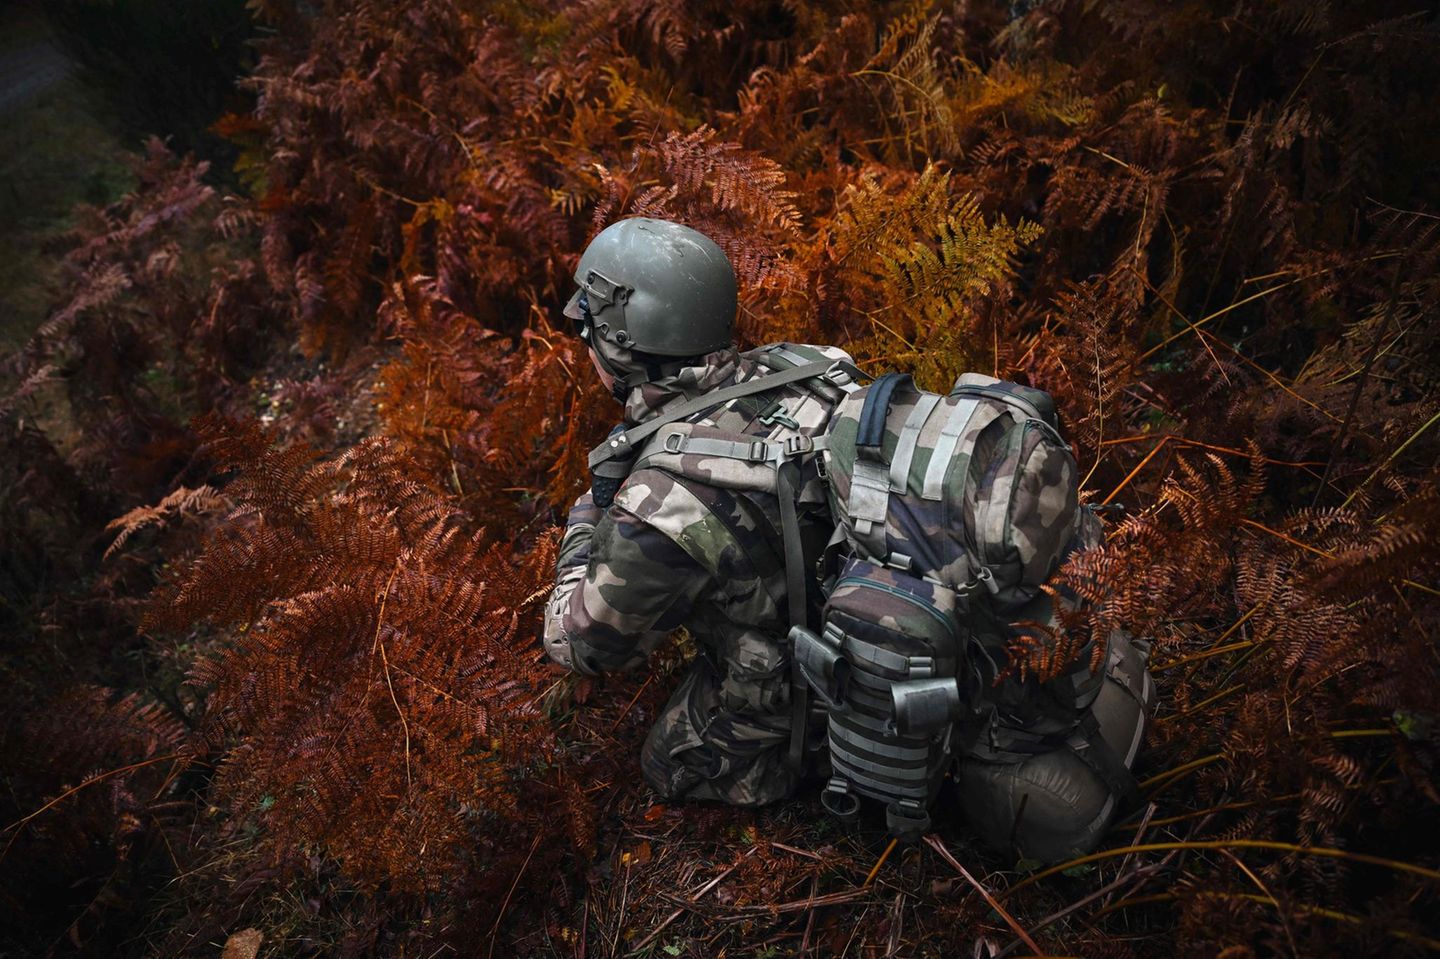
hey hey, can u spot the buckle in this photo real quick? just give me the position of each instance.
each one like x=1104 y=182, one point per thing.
x=776 y=413
x=759 y=451
x=677 y=446
x=839 y=375
x=795 y=445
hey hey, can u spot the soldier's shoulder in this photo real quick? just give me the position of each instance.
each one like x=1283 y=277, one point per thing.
x=655 y=491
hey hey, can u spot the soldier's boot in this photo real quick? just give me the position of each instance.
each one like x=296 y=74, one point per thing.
x=700 y=749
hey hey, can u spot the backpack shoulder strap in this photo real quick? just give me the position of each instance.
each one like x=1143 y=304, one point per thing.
x=627 y=441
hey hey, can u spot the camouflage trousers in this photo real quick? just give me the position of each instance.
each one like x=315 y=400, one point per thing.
x=702 y=748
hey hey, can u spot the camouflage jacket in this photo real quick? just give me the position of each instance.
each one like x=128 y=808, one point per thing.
x=694 y=541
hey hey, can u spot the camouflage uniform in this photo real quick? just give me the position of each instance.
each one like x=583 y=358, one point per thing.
x=696 y=541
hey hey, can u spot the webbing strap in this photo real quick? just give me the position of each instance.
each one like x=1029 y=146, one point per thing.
x=910 y=439
x=1096 y=753
x=786 y=490
x=870 y=436
x=950 y=435
x=902 y=751
x=674 y=440
x=622 y=444
x=788 y=355
x=913 y=667
x=869 y=502
x=1023 y=405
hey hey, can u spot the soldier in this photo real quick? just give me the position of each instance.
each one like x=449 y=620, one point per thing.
x=689 y=540
x=714 y=520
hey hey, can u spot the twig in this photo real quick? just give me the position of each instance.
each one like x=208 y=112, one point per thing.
x=721 y=878
x=1138 y=467
x=1335 y=914
x=580 y=947
x=1207 y=701
x=385 y=663
x=933 y=841
x=620 y=916
x=657 y=930
x=633 y=700
x=799 y=852
x=1214 y=316
x=1139 y=835
x=1391 y=458
x=799 y=905
x=1284 y=919
x=1144 y=872
x=1213 y=648
x=495 y=929
x=1176 y=438
x=897 y=914
x=75 y=789
x=1324 y=852
x=880 y=862
x=1164 y=779
x=694 y=901
x=810 y=920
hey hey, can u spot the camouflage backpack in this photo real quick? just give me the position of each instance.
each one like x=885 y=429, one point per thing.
x=949 y=510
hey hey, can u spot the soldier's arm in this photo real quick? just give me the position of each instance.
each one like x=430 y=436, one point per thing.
x=621 y=587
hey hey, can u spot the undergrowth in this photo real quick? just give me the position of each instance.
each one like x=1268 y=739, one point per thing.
x=266 y=678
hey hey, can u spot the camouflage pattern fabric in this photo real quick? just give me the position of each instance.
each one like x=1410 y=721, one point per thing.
x=696 y=540
x=1001 y=498
x=954 y=509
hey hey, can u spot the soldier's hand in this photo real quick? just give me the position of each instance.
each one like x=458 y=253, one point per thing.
x=555 y=639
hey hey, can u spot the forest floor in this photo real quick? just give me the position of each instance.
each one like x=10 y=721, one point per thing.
x=289 y=426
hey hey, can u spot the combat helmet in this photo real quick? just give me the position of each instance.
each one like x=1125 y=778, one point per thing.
x=655 y=287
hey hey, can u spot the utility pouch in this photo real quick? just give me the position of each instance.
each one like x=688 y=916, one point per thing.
x=885 y=663
x=822 y=664
x=924 y=706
